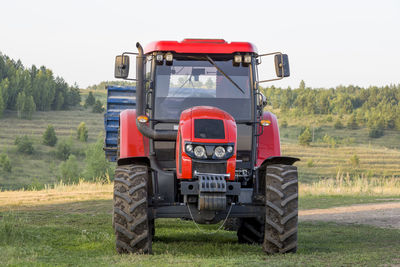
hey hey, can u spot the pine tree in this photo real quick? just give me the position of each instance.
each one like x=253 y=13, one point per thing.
x=352 y=122
x=20 y=104
x=1 y=102
x=97 y=165
x=5 y=162
x=305 y=138
x=302 y=85
x=90 y=100
x=70 y=170
x=98 y=107
x=49 y=136
x=25 y=106
x=82 y=132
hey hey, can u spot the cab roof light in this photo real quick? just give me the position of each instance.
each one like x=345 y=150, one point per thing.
x=237 y=58
x=168 y=58
x=247 y=59
x=160 y=58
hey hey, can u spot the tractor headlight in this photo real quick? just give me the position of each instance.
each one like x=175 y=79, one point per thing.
x=229 y=149
x=189 y=148
x=200 y=151
x=219 y=152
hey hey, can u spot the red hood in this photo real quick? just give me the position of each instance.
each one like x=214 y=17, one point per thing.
x=186 y=133
x=206 y=112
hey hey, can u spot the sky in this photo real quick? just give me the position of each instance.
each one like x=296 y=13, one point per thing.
x=329 y=43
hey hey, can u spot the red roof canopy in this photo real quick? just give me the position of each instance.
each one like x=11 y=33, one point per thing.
x=210 y=46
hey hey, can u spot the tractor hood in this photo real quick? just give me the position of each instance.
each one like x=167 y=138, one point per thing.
x=207 y=124
x=208 y=127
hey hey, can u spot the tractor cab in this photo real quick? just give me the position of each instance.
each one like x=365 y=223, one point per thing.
x=198 y=139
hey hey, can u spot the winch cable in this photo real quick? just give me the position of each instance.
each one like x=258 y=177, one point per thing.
x=219 y=228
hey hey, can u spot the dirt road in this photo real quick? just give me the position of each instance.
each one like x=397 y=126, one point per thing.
x=386 y=215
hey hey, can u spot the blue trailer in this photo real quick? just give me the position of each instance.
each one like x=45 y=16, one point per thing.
x=119 y=98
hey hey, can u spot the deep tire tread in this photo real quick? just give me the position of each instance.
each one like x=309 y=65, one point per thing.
x=281 y=209
x=132 y=226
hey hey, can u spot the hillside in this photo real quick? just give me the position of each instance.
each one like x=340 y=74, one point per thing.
x=43 y=167
x=377 y=157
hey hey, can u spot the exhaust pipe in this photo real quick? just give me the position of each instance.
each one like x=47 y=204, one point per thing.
x=157 y=135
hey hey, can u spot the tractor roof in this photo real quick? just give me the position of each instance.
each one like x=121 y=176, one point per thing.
x=210 y=46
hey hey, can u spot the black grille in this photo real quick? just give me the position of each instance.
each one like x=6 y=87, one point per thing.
x=209 y=129
x=218 y=168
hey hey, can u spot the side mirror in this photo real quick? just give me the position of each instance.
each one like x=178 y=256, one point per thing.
x=121 y=67
x=282 y=65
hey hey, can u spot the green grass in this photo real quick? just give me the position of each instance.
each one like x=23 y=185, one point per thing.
x=329 y=201
x=43 y=167
x=379 y=157
x=81 y=235
x=70 y=225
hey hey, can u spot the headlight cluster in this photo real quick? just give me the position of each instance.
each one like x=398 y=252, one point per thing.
x=209 y=151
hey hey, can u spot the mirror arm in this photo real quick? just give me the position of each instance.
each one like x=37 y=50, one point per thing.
x=128 y=53
x=269 y=54
x=276 y=79
x=283 y=71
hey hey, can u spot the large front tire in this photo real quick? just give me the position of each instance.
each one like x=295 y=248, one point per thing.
x=132 y=227
x=281 y=209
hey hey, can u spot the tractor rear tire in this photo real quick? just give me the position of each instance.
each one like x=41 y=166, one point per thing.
x=281 y=209
x=251 y=231
x=132 y=226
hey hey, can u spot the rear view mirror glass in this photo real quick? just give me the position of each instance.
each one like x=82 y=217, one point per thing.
x=121 y=67
x=282 y=65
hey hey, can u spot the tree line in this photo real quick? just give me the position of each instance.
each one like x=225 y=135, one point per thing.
x=374 y=107
x=102 y=85
x=29 y=89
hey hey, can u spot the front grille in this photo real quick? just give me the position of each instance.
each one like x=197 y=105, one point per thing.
x=219 y=168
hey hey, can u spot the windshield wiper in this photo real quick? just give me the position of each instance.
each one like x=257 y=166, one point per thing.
x=226 y=76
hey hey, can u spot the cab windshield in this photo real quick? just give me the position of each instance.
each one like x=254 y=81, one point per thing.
x=185 y=84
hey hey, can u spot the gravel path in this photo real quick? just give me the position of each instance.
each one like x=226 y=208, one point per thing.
x=386 y=215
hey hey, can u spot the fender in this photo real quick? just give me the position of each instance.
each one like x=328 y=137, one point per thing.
x=279 y=160
x=132 y=144
x=269 y=144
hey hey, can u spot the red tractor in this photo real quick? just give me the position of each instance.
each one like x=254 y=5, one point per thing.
x=192 y=141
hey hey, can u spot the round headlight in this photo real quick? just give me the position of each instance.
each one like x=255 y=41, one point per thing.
x=189 y=148
x=199 y=151
x=219 y=152
x=229 y=149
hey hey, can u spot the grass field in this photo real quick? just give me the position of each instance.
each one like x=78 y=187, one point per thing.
x=328 y=162
x=42 y=167
x=71 y=226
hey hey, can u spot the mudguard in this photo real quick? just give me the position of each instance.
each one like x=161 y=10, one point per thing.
x=132 y=143
x=268 y=142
